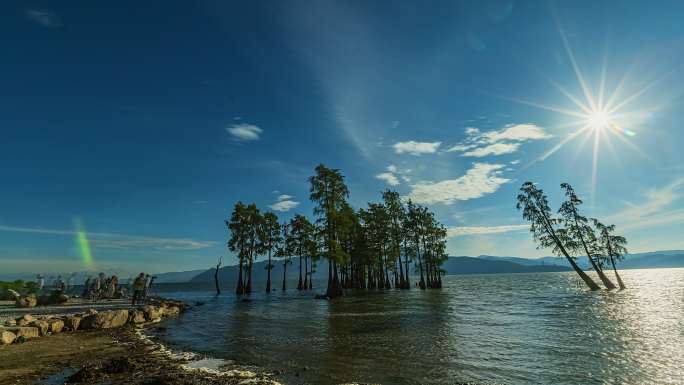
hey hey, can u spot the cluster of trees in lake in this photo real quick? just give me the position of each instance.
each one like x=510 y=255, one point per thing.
x=570 y=234
x=370 y=248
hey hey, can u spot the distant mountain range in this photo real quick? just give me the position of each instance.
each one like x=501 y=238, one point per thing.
x=483 y=264
x=648 y=260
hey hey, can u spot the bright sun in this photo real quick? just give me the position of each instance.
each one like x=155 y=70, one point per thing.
x=599 y=119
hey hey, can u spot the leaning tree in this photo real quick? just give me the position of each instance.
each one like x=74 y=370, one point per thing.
x=580 y=232
x=612 y=246
x=535 y=209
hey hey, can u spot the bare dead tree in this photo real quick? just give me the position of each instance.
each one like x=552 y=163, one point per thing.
x=216 y=272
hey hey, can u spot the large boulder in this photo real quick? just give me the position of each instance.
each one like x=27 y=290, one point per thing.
x=56 y=325
x=25 y=320
x=105 y=320
x=152 y=313
x=11 y=322
x=7 y=337
x=172 y=311
x=24 y=331
x=136 y=316
x=28 y=301
x=42 y=325
x=72 y=322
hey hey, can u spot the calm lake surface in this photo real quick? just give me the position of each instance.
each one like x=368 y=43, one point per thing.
x=509 y=328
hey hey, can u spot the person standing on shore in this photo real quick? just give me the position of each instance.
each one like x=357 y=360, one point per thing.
x=40 y=281
x=147 y=285
x=86 y=287
x=139 y=288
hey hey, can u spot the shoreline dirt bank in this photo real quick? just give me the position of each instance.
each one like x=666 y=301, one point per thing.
x=109 y=356
x=108 y=347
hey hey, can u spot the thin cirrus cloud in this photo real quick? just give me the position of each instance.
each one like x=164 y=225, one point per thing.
x=460 y=231
x=416 y=148
x=121 y=241
x=44 y=17
x=656 y=209
x=284 y=203
x=245 y=132
x=480 y=180
x=507 y=140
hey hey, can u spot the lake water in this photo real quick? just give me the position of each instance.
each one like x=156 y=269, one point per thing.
x=512 y=328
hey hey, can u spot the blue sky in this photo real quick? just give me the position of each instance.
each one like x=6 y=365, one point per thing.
x=147 y=121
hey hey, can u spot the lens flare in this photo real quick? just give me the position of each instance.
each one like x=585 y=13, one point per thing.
x=83 y=245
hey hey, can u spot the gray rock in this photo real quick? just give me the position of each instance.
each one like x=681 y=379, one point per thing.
x=72 y=322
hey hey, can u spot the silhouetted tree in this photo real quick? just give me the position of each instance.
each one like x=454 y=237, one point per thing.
x=330 y=194
x=613 y=246
x=239 y=240
x=284 y=250
x=580 y=232
x=535 y=208
x=271 y=238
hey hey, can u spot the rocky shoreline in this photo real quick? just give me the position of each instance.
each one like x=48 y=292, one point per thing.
x=109 y=347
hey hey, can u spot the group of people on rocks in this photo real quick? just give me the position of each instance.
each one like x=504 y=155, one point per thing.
x=103 y=287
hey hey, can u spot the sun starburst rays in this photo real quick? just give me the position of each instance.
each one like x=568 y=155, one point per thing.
x=598 y=117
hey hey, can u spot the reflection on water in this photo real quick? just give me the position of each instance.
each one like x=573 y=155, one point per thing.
x=512 y=328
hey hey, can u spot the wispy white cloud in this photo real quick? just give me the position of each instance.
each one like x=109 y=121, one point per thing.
x=388 y=177
x=517 y=133
x=656 y=209
x=481 y=179
x=416 y=148
x=244 y=131
x=284 y=203
x=498 y=142
x=458 y=231
x=392 y=168
x=120 y=241
x=493 y=149
x=44 y=17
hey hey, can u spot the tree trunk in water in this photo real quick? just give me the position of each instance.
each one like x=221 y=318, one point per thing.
x=268 y=280
x=402 y=282
x=284 y=275
x=240 y=285
x=606 y=282
x=587 y=280
x=300 y=285
x=592 y=285
x=422 y=279
x=407 y=284
x=617 y=276
x=249 y=278
x=216 y=281
x=306 y=273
